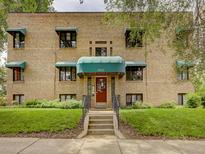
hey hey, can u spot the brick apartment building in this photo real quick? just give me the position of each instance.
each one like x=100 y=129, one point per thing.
x=68 y=55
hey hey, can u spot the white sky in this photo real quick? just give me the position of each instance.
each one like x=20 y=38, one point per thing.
x=75 y=6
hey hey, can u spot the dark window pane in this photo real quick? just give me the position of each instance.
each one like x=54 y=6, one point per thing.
x=67 y=97
x=67 y=74
x=67 y=39
x=134 y=42
x=134 y=73
x=18 y=40
x=18 y=74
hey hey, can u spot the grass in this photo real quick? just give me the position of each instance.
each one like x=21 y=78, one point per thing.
x=24 y=120
x=173 y=123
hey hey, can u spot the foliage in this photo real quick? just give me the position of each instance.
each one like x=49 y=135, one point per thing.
x=2 y=81
x=171 y=104
x=193 y=100
x=22 y=120
x=140 y=105
x=159 y=17
x=2 y=101
x=174 y=123
x=71 y=104
x=7 y=6
x=201 y=93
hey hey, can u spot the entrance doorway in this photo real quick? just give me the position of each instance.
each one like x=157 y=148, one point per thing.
x=101 y=89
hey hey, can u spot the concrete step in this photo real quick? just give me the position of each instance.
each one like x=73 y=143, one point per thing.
x=100 y=131
x=100 y=126
x=101 y=117
x=101 y=121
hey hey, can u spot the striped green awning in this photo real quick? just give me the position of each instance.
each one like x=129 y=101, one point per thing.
x=135 y=63
x=184 y=63
x=101 y=64
x=65 y=64
x=21 y=64
x=66 y=29
x=14 y=30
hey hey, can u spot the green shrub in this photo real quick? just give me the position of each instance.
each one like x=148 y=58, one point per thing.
x=140 y=105
x=193 y=100
x=170 y=104
x=71 y=104
x=2 y=101
x=203 y=100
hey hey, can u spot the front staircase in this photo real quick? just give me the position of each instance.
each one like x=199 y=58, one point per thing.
x=101 y=123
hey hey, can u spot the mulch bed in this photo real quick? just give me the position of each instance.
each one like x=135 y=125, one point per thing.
x=66 y=134
x=131 y=133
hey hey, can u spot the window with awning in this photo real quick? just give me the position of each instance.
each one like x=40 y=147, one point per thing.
x=18 y=36
x=17 y=64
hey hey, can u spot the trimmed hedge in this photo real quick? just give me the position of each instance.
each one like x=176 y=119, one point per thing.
x=71 y=104
x=193 y=100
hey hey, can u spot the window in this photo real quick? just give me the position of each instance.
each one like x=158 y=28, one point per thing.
x=90 y=51
x=89 y=86
x=181 y=98
x=134 y=42
x=67 y=97
x=183 y=74
x=18 y=74
x=101 y=51
x=110 y=51
x=18 y=40
x=182 y=38
x=134 y=73
x=133 y=98
x=18 y=98
x=67 y=74
x=68 y=40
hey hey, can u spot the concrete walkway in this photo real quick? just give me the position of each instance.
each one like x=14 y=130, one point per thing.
x=102 y=145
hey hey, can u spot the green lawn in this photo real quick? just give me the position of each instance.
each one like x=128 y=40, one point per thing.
x=172 y=123
x=24 y=120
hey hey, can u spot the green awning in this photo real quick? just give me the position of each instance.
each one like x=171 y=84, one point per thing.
x=135 y=63
x=181 y=29
x=66 y=29
x=112 y=64
x=184 y=63
x=14 y=30
x=21 y=64
x=65 y=64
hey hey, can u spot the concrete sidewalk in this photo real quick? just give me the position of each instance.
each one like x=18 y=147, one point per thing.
x=98 y=146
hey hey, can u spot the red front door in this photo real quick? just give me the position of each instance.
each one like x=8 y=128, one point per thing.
x=101 y=89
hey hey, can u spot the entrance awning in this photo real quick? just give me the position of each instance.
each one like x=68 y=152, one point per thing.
x=184 y=63
x=135 y=63
x=14 y=30
x=21 y=64
x=101 y=64
x=65 y=64
x=66 y=29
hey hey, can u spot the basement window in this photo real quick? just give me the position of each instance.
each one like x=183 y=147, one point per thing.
x=133 y=98
x=181 y=98
x=18 y=74
x=68 y=39
x=18 y=98
x=18 y=40
x=67 y=74
x=66 y=97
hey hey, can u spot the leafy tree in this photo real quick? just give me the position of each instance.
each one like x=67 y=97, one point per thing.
x=182 y=17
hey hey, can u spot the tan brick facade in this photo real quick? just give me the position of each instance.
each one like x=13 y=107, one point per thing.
x=42 y=51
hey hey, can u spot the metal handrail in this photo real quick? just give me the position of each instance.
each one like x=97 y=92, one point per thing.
x=116 y=107
x=86 y=104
